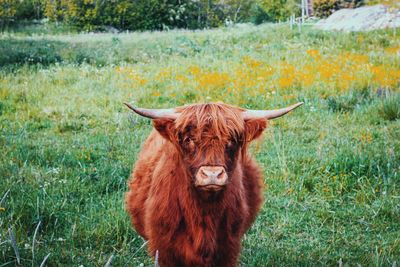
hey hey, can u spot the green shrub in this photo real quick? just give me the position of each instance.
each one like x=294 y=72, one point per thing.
x=390 y=108
x=349 y=101
x=280 y=9
x=29 y=52
x=323 y=8
x=259 y=15
x=351 y=3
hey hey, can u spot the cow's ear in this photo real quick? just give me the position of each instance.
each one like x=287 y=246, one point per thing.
x=165 y=127
x=254 y=128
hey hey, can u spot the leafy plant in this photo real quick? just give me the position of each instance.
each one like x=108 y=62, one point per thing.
x=323 y=8
x=389 y=109
x=349 y=101
x=280 y=9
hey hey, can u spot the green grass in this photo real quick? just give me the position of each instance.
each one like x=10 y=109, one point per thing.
x=68 y=144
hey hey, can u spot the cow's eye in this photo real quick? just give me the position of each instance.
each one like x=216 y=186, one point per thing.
x=229 y=144
x=188 y=143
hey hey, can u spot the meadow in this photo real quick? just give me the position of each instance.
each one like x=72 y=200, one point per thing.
x=331 y=168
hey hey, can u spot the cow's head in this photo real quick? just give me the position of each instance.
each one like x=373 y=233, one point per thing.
x=210 y=137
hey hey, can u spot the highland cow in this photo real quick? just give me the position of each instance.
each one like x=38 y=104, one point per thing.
x=195 y=190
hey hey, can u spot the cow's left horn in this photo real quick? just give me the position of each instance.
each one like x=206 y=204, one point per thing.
x=167 y=113
x=268 y=114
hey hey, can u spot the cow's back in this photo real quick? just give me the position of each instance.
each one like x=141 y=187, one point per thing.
x=141 y=178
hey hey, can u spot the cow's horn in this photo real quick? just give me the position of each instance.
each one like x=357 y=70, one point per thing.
x=268 y=114
x=167 y=113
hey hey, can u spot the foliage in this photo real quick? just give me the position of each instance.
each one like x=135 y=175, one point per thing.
x=29 y=9
x=12 y=11
x=29 y=52
x=389 y=109
x=280 y=9
x=68 y=143
x=351 y=3
x=237 y=10
x=147 y=14
x=258 y=15
x=323 y=8
x=99 y=15
x=393 y=4
x=7 y=12
x=349 y=101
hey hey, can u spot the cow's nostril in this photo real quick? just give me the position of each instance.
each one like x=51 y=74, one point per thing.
x=203 y=174
x=221 y=173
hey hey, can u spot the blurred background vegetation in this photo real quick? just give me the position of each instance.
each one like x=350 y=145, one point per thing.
x=121 y=15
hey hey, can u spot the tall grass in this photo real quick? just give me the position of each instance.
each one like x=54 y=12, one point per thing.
x=331 y=168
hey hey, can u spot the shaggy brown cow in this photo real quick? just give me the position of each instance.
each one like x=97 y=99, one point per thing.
x=195 y=190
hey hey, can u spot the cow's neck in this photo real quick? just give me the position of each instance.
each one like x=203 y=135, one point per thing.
x=206 y=216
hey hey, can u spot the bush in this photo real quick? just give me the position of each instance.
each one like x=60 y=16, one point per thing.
x=324 y=8
x=14 y=51
x=390 y=108
x=348 y=102
x=280 y=9
x=259 y=15
x=351 y=3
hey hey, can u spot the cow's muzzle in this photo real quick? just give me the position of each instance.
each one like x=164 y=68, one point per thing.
x=211 y=178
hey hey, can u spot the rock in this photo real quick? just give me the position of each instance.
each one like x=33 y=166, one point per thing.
x=361 y=19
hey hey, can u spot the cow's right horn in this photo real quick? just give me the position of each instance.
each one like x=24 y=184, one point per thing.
x=167 y=113
x=268 y=114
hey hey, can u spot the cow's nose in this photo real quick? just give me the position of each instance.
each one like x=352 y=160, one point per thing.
x=211 y=177
x=211 y=172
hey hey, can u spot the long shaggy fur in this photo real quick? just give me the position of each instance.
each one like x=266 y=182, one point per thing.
x=190 y=227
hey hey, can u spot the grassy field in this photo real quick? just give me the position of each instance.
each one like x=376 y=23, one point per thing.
x=331 y=168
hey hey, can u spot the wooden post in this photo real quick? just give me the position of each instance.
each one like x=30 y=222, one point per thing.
x=310 y=7
x=306 y=8
x=291 y=21
x=299 y=25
